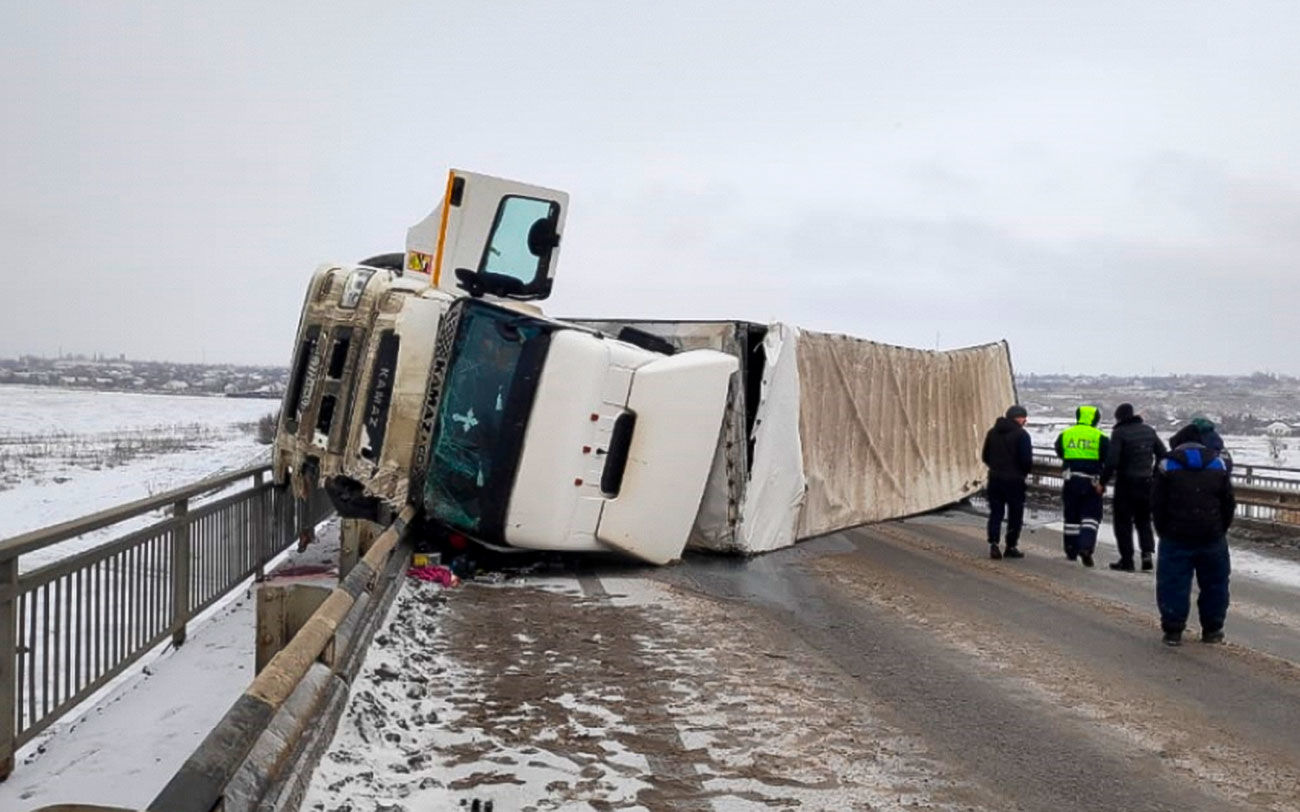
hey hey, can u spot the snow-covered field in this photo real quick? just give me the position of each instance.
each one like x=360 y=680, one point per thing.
x=1246 y=449
x=67 y=453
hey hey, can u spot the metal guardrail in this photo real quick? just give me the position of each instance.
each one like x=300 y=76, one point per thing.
x=70 y=627
x=1265 y=493
x=249 y=760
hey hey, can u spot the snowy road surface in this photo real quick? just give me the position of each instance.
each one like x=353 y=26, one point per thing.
x=886 y=667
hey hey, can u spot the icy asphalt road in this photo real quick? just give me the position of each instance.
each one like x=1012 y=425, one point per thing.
x=888 y=667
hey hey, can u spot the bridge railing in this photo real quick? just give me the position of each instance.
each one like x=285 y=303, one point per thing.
x=69 y=627
x=1265 y=493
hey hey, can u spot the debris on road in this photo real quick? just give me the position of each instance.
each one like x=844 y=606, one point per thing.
x=435 y=573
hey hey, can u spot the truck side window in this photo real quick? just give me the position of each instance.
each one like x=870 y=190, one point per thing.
x=510 y=252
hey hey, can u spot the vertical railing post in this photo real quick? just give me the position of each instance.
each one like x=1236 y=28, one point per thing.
x=1252 y=511
x=286 y=533
x=349 y=546
x=303 y=529
x=290 y=531
x=260 y=545
x=180 y=571
x=8 y=662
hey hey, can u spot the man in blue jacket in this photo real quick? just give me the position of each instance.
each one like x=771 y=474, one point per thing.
x=1192 y=504
x=1201 y=430
x=1009 y=454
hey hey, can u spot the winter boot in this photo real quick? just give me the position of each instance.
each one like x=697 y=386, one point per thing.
x=1013 y=552
x=1147 y=564
x=1213 y=637
x=1123 y=565
x=994 y=552
x=1173 y=638
x=1086 y=558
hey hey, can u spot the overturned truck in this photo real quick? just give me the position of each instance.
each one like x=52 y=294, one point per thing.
x=432 y=378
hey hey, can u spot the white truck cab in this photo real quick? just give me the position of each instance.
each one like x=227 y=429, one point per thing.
x=548 y=436
x=365 y=339
x=435 y=380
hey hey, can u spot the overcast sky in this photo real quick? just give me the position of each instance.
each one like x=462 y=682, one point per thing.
x=1111 y=189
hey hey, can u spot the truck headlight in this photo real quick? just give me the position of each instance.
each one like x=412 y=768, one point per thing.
x=354 y=287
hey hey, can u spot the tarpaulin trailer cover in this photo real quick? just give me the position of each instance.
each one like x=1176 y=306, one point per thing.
x=825 y=432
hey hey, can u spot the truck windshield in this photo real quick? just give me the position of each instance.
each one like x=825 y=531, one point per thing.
x=496 y=360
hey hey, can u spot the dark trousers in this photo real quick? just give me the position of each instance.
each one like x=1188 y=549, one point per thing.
x=1132 y=506
x=1006 y=497
x=1177 y=563
x=1082 y=513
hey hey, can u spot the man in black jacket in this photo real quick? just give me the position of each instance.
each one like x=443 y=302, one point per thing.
x=1009 y=454
x=1192 y=504
x=1135 y=448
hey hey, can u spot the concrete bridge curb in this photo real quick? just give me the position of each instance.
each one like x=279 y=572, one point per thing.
x=246 y=761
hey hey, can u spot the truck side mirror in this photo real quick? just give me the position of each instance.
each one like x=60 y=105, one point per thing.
x=467 y=280
x=478 y=283
x=542 y=237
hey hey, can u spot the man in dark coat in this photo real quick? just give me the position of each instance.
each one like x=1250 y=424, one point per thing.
x=1192 y=504
x=1135 y=448
x=1009 y=454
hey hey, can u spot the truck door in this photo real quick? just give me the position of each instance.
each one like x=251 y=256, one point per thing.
x=490 y=237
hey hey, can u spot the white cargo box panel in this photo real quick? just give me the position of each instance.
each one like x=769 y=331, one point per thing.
x=678 y=402
x=717 y=522
x=556 y=500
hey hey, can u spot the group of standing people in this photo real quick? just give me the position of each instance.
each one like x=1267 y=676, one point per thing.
x=1184 y=490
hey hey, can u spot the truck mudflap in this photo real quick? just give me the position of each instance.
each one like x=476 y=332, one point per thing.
x=678 y=403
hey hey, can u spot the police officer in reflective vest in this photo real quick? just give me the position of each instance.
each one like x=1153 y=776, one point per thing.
x=1083 y=448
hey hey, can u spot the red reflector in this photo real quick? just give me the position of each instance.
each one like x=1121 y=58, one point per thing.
x=457 y=541
x=594 y=417
x=577 y=482
x=586 y=449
